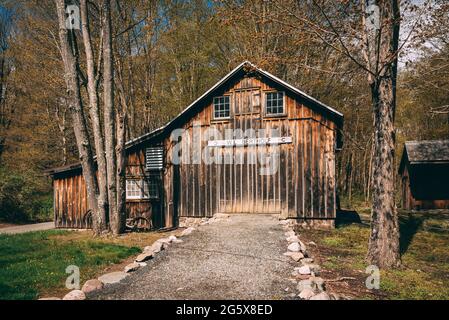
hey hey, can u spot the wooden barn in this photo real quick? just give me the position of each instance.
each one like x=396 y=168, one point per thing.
x=251 y=144
x=424 y=171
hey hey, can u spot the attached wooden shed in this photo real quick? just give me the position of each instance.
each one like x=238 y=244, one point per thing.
x=424 y=171
x=247 y=113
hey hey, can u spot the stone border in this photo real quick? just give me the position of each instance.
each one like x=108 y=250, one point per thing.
x=309 y=286
x=149 y=252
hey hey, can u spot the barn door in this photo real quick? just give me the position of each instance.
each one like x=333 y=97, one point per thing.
x=242 y=188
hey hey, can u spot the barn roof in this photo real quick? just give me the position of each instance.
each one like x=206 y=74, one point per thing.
x=422 y=152
x=183 y=116
x=337 y=116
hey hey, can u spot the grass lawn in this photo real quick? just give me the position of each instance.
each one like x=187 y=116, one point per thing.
x=424 y=273
x=32 y=265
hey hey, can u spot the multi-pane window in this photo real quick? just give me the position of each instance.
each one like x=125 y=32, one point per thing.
x=274 y=103
x=222 y=109
x=142 y=189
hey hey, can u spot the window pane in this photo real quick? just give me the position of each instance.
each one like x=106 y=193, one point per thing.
x=221 y=107
x=274 y=103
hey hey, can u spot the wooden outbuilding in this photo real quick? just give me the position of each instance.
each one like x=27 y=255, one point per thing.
x=424 y=171
x=251 y=144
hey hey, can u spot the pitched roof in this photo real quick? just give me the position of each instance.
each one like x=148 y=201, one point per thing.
x=424 y=152
x=246 y=64
x=427 y=151
x=241 y=67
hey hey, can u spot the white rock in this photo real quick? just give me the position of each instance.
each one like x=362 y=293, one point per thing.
x=50 y=298
x=290 y=233
x=303 y=246
x=306 y=261
x=311 y=243
x=164 y=240
x=293 y=239
x=187 y=231
x=178 y=241
x=132 y=267
x=172 y=238
x=305 y=284
x=294 y=247
x=156 y=247
x=146 y=255
x=321 y=296
x=284 y=222
x=304 y=270
x=306 y=294
x=75 y=295
x=92 y=285
x=113 y=277
x=296 y=256
x=142 y=264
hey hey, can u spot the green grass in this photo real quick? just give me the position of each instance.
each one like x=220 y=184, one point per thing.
x=35 y=263
x=424 y=273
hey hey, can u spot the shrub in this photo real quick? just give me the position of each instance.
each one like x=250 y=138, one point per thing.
x=24 y=197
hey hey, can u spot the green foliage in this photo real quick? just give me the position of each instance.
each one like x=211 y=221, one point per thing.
x=35 y=262
x=24 y=197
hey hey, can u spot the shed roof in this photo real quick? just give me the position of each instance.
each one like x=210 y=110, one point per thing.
x=427 y=151
x=424 y=152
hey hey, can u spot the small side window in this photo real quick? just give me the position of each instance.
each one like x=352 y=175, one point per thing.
x=141 y=189
x=274 y=103
x=222 y=107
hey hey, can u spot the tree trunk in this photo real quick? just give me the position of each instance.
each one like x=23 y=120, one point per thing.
x=109 y=118
x=383 y=249
x=68 y=51
x=121 y=172
x=94 y=111
x=384 y=239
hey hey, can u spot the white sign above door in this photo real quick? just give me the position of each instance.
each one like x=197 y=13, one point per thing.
x=249 y=142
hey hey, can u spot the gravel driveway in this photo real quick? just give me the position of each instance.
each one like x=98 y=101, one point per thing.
x=237 y=258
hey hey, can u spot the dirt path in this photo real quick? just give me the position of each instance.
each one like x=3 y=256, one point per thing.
x=28 y=228
x=237 y=258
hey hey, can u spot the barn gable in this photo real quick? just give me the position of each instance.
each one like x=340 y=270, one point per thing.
x=238 y=74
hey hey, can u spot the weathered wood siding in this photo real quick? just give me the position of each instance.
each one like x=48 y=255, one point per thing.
x=70 y=202
x=70 y=198
x=304 y=185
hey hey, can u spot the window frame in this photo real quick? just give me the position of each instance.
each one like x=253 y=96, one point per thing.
x=143 y=189
x=265 y=104
x=228 y=96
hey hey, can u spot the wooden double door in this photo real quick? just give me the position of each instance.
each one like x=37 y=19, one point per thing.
x=247 y=184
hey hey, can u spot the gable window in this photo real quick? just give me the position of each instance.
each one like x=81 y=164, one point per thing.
x=274 y=103
x=141 y=189
x=222 y=108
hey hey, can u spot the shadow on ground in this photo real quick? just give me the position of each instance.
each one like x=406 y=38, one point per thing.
x=347 y=217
